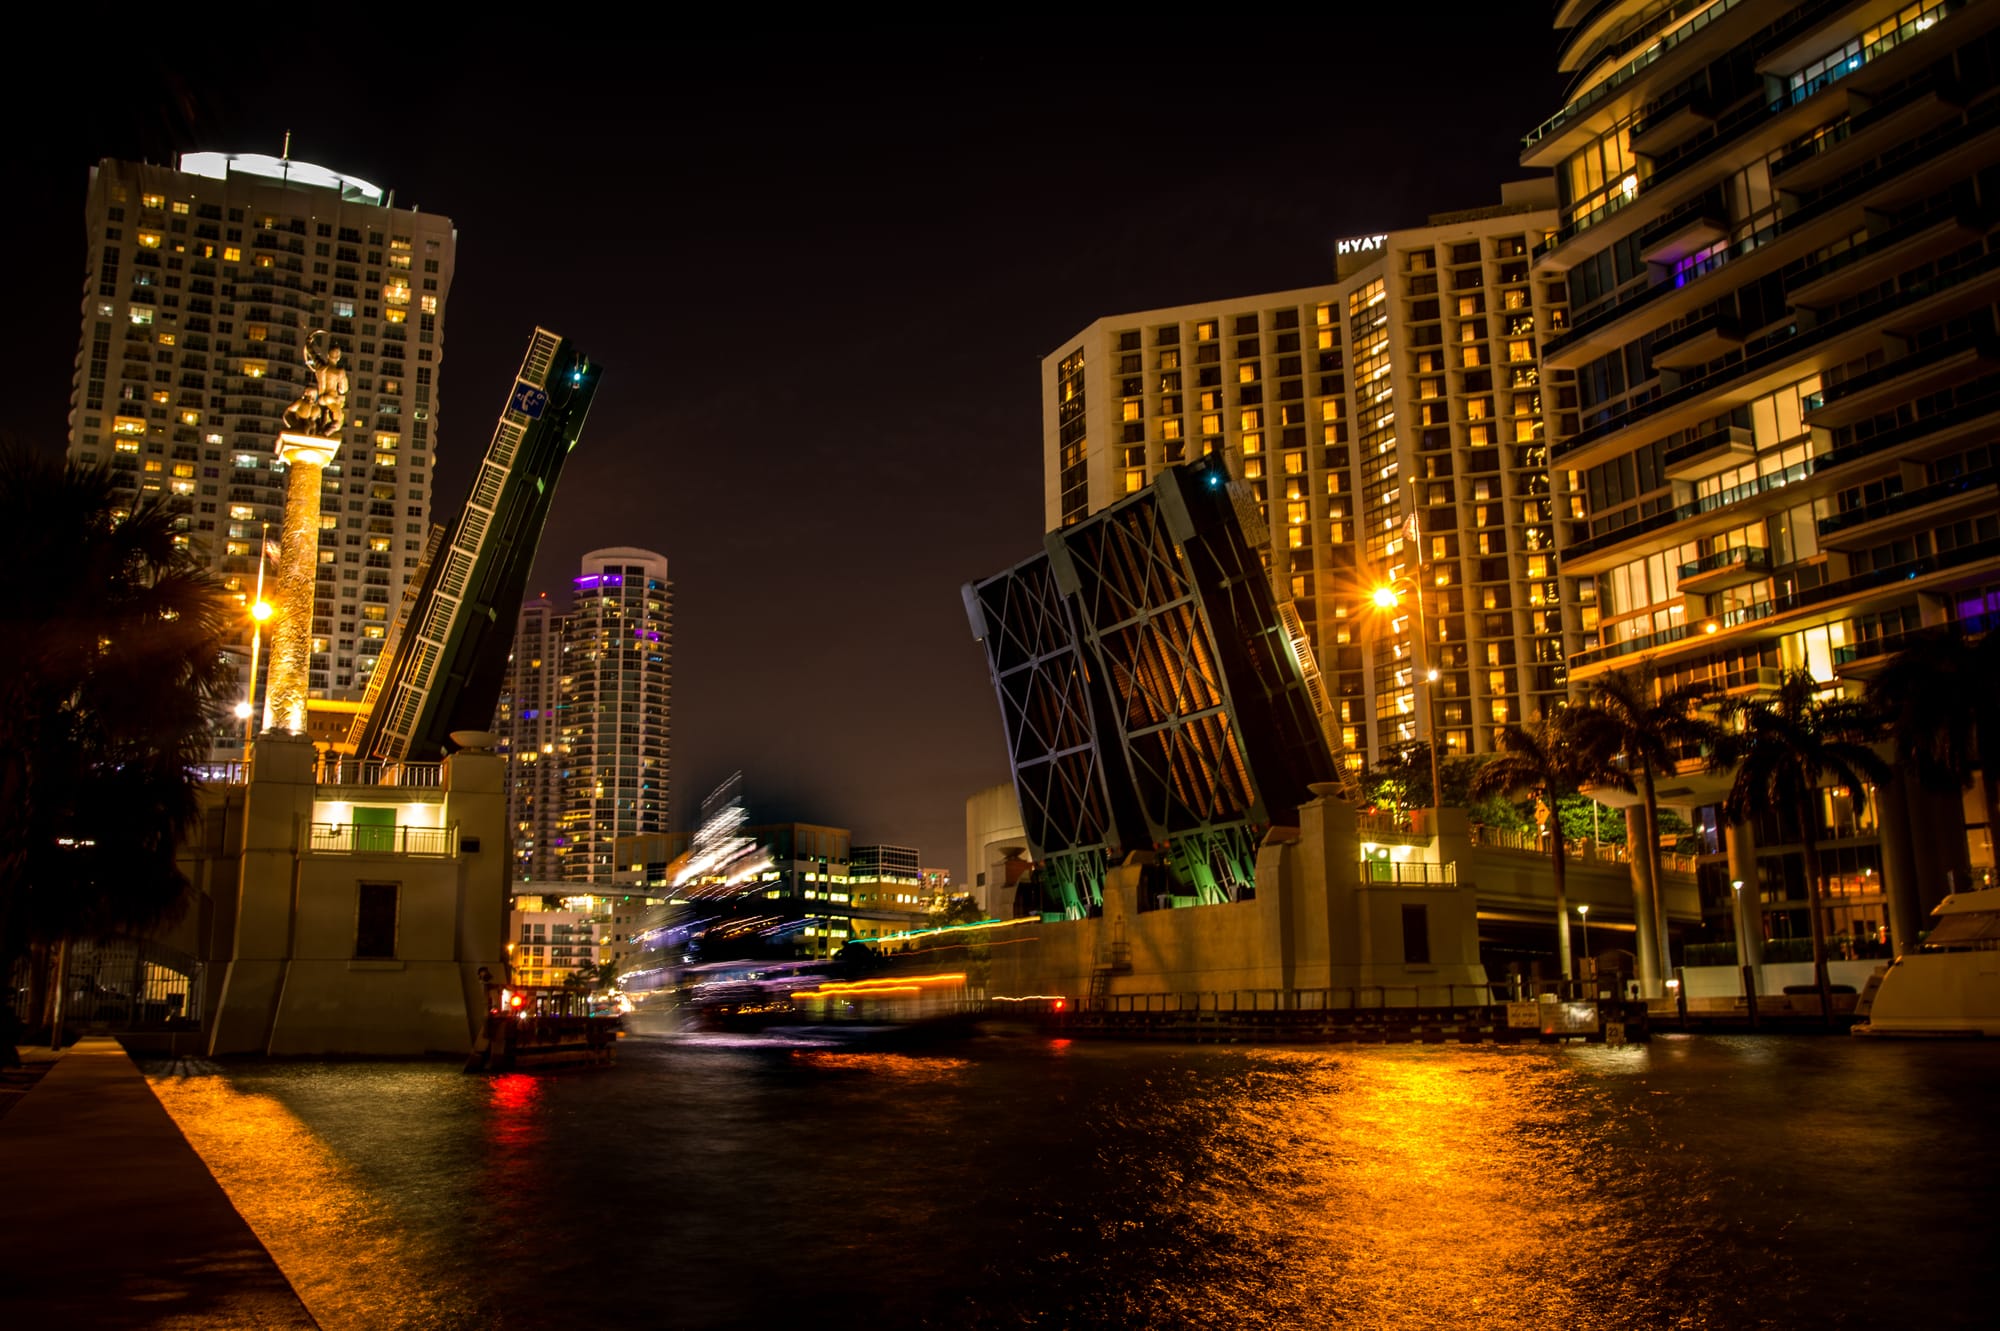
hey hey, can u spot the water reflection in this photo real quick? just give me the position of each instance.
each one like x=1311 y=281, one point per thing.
x=1695 y=1182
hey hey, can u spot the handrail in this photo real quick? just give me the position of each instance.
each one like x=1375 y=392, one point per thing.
x=345 y=771
x=1632 y=67
x=371 y=839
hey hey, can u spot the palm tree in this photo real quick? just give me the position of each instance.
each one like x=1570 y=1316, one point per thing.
x=1569 y=748
x=1784 y=750
x=109 y=689
x=1650 y=729
x=1938 y=702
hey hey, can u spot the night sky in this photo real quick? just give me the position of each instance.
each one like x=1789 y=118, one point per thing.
x=820 y=275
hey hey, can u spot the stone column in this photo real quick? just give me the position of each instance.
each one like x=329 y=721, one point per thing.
x=298 y=566
x=1748 y=908
x=1645 y=911
x=1899 y=865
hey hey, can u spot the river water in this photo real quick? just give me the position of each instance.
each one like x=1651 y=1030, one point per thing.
x=1699 y=1181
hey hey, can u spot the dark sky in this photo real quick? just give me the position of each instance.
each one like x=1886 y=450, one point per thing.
x=820 y=271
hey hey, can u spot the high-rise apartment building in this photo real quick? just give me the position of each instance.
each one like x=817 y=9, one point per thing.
x=1775 y=223
x=201 y=286
x=529 y=723
x=617 y=644
x=1391 y=427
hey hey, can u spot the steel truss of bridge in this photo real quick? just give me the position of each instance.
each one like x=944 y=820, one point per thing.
x=1153 y=692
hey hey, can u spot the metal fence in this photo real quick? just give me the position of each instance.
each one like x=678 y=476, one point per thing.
x=125 y=983
x=1357 y=998
x=339 y=770
x=367 y=839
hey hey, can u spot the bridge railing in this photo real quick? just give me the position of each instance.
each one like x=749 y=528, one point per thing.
x=1354 y=998
x=341 y=770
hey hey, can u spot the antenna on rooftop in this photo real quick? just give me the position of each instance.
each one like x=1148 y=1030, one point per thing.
x=287 y=153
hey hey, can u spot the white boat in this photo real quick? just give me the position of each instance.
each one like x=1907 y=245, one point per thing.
x=1950 y=985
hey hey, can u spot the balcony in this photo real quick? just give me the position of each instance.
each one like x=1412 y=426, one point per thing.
x=1411 y=872
x=1695 y=225
x=1867 y=131
x=1766 y=615
x=340 y=770
x=1725 y=568
x=1912 y=510
x=1904 y=380
x=1865 y=656
x=1777 y=357
x=1880 y=257
x=370 y=839
x=1545 y=144
x=1699 y=341
x=1709 y=513
x=1709 y=453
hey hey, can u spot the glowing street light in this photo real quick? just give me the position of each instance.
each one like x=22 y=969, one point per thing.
x=261 y=611
x=1385 y=598
x=243 y=711
x=1583 y=914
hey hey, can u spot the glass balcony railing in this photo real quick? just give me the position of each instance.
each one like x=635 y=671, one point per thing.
x=1986 y=478
x=1749 y=558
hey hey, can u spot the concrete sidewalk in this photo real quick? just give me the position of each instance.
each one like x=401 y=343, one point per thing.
x=109 y=1219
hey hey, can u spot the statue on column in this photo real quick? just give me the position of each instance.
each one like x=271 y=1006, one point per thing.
x=322 y=409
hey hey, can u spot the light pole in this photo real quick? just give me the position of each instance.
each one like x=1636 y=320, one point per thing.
x=1736 y=919
x=1385 y=598
x=1583 y=916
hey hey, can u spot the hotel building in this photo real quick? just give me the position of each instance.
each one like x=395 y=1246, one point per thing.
x=1775 y=224
x=617 y=645
x=1389 y=425
x=201 y=286
x=529 y=723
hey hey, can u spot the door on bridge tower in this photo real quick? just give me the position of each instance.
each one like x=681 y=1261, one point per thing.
x=374 y=829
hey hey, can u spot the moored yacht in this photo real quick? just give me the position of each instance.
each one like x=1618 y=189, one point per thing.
x=1951 y=984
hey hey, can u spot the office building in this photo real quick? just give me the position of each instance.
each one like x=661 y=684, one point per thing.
x=202 y=284
x=1775 y=226
x=617 y=644
x=529 y=723
x=1390 y=425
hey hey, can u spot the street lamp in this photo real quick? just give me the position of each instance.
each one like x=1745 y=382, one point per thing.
x=1736 y=919
x=1385 y=597
x=1583 y=915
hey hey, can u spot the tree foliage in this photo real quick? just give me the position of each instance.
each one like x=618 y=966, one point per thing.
x=110 y=687
x=1784 y=749
x=1939 y=701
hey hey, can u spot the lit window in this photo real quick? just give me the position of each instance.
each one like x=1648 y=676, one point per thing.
x=150 y=239
x=343 y=309
x=241 y=512
x=385 y=441
x=128 y=425
x=266 y=261
x=166 y=339
x=395 y=315
x=180 y=207
x=190 y=418
x=257 y=332
x=255 y=369
x=231 y=254
x=141 y=315
x=153 y=201
x=430 y=304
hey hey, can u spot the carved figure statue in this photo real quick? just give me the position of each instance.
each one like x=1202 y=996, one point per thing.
x=321 y=409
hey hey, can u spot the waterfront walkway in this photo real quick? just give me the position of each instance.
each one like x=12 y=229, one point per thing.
x=109 y=1219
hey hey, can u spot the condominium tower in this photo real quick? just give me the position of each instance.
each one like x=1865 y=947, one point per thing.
x=529 y=722
x=202 y=284
x=1776 y=223
x=617 y=643
x=1390 y=426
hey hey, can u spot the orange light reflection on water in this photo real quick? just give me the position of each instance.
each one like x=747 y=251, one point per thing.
x=1409 y=1188
x=318 y=1220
